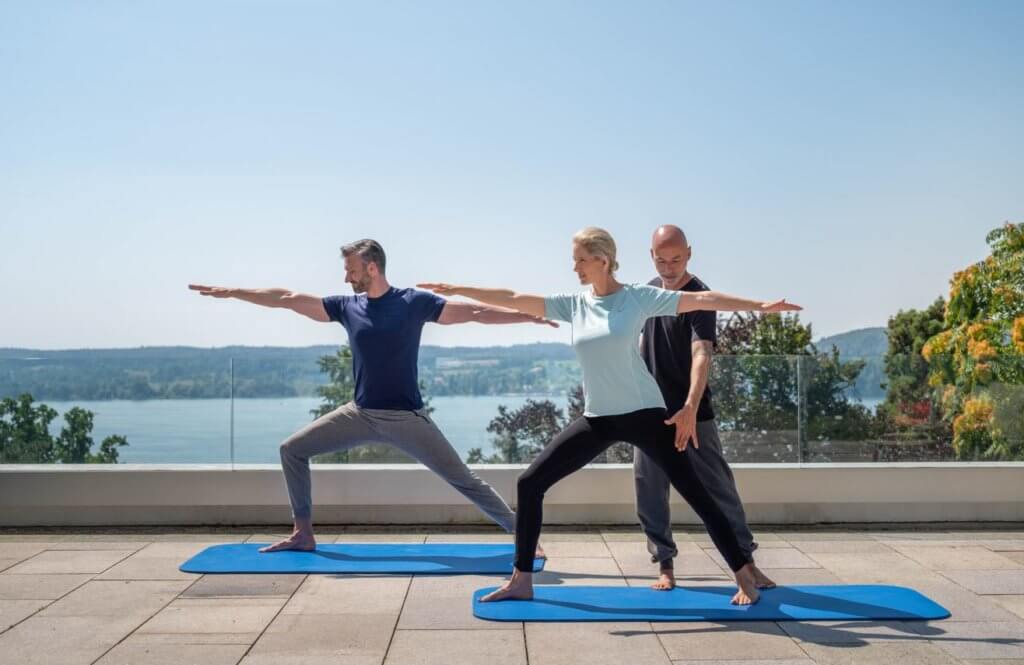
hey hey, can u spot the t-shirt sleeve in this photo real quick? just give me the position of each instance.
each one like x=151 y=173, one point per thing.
x=704 y=326
x=657 y=302
x=429 y=306
x=335 y=307
x=559 y=307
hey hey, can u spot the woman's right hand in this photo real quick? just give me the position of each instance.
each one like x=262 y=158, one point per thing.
x=440 y=288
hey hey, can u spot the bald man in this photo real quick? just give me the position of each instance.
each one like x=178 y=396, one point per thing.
x=677 y=350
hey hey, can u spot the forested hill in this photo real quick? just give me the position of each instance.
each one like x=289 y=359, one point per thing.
x=192 y=373
x=181 y=372
x=868 y=344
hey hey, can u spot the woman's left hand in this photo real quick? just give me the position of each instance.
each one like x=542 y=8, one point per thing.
x=780 y=306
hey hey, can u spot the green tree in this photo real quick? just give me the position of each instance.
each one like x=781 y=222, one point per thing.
x=907 y=391
x=976 y=363
x=766 y=367
x=909 y=422
x=520 y=434
x=25 y=435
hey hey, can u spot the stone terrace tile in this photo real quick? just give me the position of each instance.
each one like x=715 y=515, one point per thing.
x=228 y=586
x=580 y=571
x=70 y=561
x=870 y=568
x=594 y=643
x=879 y=653
x=139 y=649
x=446 y=602
x=323 y=638
x=157 y=561
x=558 y=549
x=15 y=611
x=86 y=623
x=39 y=587
x=1014 y=604
x=990 y=639
x=958 y=558
x=716 y=641
x=457 y=647
x=852 y=632
x=996 y=582
x=811 y=546
x=349 y=594
x=247 y=616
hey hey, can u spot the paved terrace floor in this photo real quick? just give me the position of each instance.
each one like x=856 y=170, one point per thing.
x=117 y=597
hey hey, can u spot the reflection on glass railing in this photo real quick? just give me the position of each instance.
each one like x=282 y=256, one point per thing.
x=240 y=405
x=756 y=406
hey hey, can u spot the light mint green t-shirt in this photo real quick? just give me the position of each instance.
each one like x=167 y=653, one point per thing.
x=605 y=334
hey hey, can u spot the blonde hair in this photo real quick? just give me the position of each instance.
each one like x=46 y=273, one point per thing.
x=599 y=243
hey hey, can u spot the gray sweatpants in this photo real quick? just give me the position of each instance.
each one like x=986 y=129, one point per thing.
x=411 y=431
x=652 y=494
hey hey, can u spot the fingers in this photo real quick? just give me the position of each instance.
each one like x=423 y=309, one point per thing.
x=782 y=306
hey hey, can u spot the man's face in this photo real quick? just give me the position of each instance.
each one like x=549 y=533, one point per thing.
x=357 y=273
x=670 y=261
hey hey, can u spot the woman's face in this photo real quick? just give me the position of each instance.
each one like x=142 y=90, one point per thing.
x=587 y=266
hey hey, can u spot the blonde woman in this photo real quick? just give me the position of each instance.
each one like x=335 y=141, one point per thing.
x=622 y=401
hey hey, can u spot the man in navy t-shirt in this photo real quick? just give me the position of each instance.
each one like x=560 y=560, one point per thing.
x=384 y=325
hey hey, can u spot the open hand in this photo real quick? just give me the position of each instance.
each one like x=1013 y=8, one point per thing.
x=440 y=288
x=685 y=420
x=214 y=291
x=780 y=306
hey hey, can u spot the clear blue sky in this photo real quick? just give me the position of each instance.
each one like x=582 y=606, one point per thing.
x=847 y=156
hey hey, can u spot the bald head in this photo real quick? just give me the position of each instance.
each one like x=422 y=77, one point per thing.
x=668 y=237
x=671 y=254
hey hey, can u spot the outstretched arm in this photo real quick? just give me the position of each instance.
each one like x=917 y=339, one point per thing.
x=464 y=312
x=527 y=304
x=690 y=301
x=300 y=303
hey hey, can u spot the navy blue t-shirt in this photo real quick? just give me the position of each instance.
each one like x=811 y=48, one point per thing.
x=384 y=334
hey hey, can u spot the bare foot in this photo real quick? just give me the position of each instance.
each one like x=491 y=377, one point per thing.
x=303 y=542
x=539 y=554
x=666 y=580
x=747 y=593
x=520 y=587
x=760 y=579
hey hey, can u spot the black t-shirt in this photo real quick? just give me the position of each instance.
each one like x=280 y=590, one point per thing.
x=667 y=350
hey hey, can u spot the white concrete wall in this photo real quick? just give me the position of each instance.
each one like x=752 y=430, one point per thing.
x=126 y=494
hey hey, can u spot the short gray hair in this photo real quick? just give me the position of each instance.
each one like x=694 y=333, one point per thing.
x=368 y=250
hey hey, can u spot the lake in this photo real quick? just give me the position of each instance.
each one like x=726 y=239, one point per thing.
x=197 y=431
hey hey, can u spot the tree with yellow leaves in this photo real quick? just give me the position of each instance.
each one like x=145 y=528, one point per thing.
x=976 y=364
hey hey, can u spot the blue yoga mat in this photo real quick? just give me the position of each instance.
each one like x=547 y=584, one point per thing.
x=435 y=558
x=791 y=603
